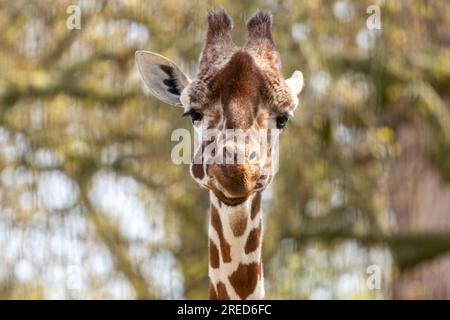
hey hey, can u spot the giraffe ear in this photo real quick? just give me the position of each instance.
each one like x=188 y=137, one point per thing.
x=162 y=76
x=295 y=82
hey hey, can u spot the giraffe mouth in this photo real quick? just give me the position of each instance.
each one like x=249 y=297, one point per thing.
x=230 y=201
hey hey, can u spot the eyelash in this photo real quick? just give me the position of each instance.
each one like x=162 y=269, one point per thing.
x=194 y=114
x=282 y=121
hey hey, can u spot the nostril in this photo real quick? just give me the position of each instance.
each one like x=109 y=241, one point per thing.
x=252 y=155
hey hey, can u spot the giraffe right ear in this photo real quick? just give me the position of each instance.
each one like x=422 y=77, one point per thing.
x=162 y=76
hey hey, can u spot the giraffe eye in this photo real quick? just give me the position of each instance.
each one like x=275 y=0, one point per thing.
x=282 y=121
x=195 y=115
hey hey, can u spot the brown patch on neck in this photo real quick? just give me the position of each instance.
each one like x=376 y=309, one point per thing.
x=245 y=279
x=256 y=205
x=238 y=223
x=222 y=291
x=214 y=260
x=212 y=295
x=253 y=240
x=224 y=245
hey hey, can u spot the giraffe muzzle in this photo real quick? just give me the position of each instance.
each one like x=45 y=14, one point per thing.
x=235 y=180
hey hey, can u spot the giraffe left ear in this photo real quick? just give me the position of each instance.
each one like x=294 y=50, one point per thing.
x=163 y=77
x=295 y=82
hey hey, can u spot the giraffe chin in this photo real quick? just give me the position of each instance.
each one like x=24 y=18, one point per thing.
x=226 y=200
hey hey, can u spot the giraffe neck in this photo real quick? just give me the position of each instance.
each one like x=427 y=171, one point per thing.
x=235 y=241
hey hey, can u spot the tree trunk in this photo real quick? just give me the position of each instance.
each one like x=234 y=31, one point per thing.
x=419 y=202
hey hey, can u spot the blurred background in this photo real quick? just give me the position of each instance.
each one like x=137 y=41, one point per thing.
x=91 y=205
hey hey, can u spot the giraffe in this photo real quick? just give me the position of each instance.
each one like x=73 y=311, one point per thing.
x=235 y=88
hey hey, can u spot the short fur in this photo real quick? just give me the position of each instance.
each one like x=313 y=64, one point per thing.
x=235 y=88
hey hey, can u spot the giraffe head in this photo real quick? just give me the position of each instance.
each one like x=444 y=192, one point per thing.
x=238 y=102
